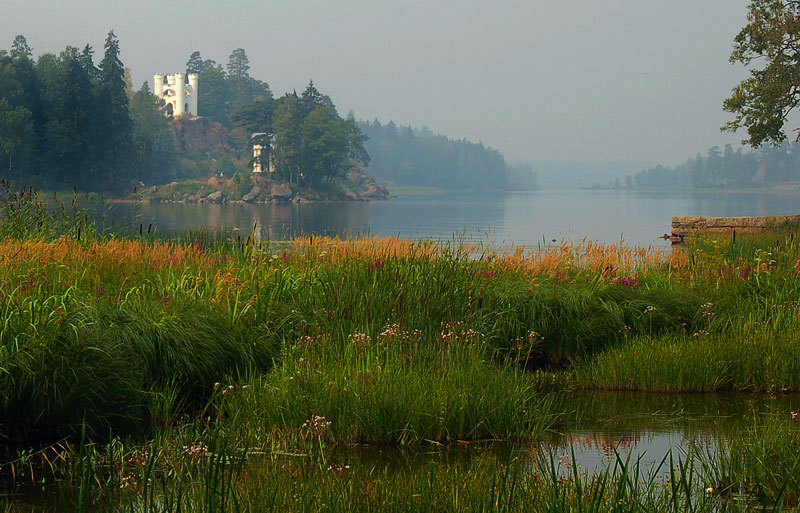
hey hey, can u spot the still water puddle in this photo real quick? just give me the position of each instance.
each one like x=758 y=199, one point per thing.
x=601 y=429
x=595 y=433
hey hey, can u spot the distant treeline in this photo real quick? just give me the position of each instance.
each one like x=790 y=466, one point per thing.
x=409 y=156
x=728 y=169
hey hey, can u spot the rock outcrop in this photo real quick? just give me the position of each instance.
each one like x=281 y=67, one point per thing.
x=355 y=186
x=202 y=136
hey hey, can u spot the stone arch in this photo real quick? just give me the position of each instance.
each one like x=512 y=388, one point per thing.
x=186 y=108
x=170 y=109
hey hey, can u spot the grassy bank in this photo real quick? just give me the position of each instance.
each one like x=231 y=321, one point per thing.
x=196 y=348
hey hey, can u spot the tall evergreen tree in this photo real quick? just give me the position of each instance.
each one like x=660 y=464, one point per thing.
x=114 y=116
x=195 y=63
x=239 y=77
x=324 y=146
x=312 y=98
x=214 y=98
x=286 y=126
x=87 y=62
x=72 y=133
x=25 y=74
x=20 y=48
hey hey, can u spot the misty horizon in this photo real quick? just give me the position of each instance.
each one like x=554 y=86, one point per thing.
x=621 y=81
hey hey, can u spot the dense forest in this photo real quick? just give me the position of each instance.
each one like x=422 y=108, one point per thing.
x=66 y=122
x=728 y=169
x=408 y=156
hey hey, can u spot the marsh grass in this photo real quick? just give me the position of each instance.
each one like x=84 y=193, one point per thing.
x=314 y=343
x=762 y=461
x=393 y=387
x=216 y=477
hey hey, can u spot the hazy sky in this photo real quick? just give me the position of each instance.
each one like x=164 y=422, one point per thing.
x=581 y=80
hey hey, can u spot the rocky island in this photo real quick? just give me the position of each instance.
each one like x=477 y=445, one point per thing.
x=354 y=186
x=207 y=148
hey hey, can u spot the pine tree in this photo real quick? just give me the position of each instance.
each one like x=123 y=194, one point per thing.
x=87 y=63
x=20 y=48
x=114 y=117
x=195 y=63
x=239 y=77
x=72 y=132
x=286 y=125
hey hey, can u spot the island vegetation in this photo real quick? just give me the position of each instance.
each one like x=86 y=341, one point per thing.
x=419 y=157
x=762 y=104
x=65 y=122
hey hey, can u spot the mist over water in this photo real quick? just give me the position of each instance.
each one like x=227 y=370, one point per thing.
x=533 y=219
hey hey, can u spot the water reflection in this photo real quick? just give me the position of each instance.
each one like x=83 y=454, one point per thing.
x=599 y=427
x=523 y=218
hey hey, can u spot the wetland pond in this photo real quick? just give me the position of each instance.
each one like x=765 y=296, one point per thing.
x=596 y=428
x=594 y=432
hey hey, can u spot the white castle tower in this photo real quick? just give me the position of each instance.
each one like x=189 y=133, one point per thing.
x=180 y=97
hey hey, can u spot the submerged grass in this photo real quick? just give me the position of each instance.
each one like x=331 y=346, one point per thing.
x=216 y=476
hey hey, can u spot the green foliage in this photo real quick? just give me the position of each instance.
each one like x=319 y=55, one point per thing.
x=214 y=98
x=69 y=120
x=394 y=387
x=728 y=169
x=407 y=156
x=155 y=155
x=324 y=146
x=286 y=127
x=762 y=102
x=16 y=134
x=114 y=119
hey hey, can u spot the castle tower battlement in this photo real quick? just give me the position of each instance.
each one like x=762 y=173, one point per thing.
x=180 y=97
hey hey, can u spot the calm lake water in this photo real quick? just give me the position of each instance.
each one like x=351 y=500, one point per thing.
x=523 y=218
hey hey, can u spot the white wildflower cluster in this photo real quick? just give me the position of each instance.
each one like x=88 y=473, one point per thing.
x=393 y=332
x=360 y=340
x=524 y=347
x=195 y=451
x=458 y=331
x=315 y=426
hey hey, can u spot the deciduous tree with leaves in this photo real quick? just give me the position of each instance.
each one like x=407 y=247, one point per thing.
x=762 y=102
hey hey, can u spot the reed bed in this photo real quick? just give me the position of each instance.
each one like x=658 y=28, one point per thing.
x=95 y=329
x=304 y=346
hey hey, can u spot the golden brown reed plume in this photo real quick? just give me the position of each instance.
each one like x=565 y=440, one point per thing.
x=113 y=253
x=558 y=261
